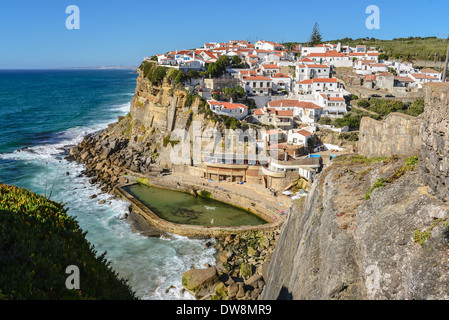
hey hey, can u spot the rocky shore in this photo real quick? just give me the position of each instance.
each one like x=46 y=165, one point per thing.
x=241 y=269
x=242 y=260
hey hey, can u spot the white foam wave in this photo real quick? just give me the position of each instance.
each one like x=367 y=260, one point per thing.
x=153 y=266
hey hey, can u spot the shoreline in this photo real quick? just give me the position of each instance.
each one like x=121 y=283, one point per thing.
x=241 y=259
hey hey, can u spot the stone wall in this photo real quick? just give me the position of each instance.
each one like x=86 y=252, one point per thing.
x=397 y=134
x=434 y=159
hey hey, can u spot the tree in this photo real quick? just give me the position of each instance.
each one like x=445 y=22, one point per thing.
x=236 y=61
x=217 y=68
x=316 y=37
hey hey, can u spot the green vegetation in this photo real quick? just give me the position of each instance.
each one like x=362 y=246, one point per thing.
x=384 y=107
x=156 y=74
x=167 y=140
x=316 y=37
x=376 y=109
x=153 y=72
x=189 y=100
x=412 y=48
x=357 y=159
x=235 y=93
x=349 y=136
x=205 y=194
x=420 y=236
x=38 y=241
x=237 y=62
x=378 y=184
x=353 y=118
x=410 y=165
x=407 y=49
x=217 y=68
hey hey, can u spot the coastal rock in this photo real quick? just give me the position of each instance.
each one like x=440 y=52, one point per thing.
x=246 y=270
x=199 y=281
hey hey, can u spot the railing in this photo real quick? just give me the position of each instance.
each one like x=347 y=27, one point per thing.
x=271 y=173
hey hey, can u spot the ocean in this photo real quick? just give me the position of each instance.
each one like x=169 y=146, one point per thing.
x=43 y=111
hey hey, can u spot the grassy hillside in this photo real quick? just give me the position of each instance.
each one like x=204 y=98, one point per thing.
x=412 y=48
x=38 y=241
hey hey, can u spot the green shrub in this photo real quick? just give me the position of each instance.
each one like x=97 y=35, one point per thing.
x=362 y=103
x=38 y=241
x=378 y=184
x=413 y=160
x=153 y=72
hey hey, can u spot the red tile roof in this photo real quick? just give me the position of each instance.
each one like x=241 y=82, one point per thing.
x=256 y=78
x=227 y=105
x=403 y=79
x=270 y=66
x=429 y=70
x=336 y=99
x=284 y=113
x=280 y=75
x=293 y=103
x=304 y=133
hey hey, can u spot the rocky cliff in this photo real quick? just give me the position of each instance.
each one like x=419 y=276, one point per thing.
x=141 y=141
x=369 y=228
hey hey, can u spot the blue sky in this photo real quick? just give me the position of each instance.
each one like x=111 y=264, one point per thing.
x=33 y=33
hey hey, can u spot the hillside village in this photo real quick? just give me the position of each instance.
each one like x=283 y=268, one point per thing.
x=294 y=93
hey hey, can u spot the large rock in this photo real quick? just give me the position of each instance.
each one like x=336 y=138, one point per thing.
x=338 y=245
x=200 y=281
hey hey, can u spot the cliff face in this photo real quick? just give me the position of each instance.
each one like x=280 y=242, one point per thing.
x=369 y=229
x=156 y=111
x=338 y=245
x=140 y=142
x=397 y=134
x=435 y=147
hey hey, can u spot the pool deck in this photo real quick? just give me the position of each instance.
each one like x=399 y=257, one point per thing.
x=257 y=200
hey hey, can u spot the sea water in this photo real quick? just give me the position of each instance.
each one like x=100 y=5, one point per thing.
x=42 y=112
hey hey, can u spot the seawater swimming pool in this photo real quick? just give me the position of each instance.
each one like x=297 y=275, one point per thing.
x=183 y=208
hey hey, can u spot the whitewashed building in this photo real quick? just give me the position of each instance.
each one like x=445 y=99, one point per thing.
x=236 y=110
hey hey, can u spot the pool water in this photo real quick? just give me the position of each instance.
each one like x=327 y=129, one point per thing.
x=184 y=208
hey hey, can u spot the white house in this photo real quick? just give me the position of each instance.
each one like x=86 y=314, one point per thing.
x=236 y=110
x=421 y=78
x=269 y=69
x=374 y=56
x=306 y=112
x=268 y=45
x=299 y=137
x=311 y=86
x=331 y=57
x=257 y=85
x=432 y=73
x=309 y=71
x=364 y=67
x=282 y=84
x=208 y=56
x=334 y=105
